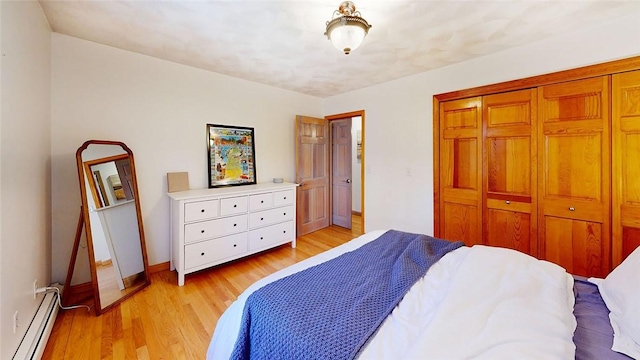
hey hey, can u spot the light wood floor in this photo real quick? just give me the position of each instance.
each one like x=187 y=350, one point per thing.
x=165 y=321
x=108 y=285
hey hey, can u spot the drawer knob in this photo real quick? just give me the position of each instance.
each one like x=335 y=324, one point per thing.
x=261 y=219
x=261 y=237
x=261 y=201
x=235 y=224
x=285 y=198
x=285 y=214
x=201 y=231
x=235 y=205
x=201 y=254
x=284 y=231
x=234 y=245
x=508 y=202
x=571 y=208
x=202 y=210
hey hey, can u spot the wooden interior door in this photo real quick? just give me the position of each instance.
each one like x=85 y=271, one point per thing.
x=312 y=173
x=574 y=171
x=126 y=177
x=100 y=196
x=341 y=173
x=460 y=170
x=626 y=164
x=509 y=168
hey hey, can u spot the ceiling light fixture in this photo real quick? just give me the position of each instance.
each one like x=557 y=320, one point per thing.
x=347 y=31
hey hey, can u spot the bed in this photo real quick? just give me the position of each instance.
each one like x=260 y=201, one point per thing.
x=475 y=302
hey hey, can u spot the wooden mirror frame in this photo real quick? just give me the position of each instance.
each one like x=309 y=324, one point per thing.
x=87 y=227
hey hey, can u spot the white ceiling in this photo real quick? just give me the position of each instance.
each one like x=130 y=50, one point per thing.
x=282 y=43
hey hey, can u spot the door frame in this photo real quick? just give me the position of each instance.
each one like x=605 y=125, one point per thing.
x=341 y=116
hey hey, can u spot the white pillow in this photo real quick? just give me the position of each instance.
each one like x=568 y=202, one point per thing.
x=620 y=290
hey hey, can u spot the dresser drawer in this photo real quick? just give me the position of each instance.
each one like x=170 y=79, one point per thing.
x=214 y=228
x=200 y=210
x=260 y=201
x=270 y=235
x=283 y=198
x=214 y=250
x=234 y=205
x=272 y=216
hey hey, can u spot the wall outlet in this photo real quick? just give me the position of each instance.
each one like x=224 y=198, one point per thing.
x=35 y=288
x=16 y=322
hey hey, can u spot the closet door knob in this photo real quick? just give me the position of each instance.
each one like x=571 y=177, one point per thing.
x=571 y=208
x=508 y=202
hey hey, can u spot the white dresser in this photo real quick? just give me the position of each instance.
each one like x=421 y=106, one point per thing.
x=213 y=226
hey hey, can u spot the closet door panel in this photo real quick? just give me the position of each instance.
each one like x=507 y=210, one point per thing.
x=630 y=169
x=573 y=166
x=630 y=240
x=509 y=168
x=574 y=244
x=626 y=164
x=507 y=171
x=460 y=170
x=461 y=161
x=461 y=222
x=510 y=229
x=574 y=175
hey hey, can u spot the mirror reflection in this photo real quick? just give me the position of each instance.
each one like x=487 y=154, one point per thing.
x=105 y=180
x=112 y=222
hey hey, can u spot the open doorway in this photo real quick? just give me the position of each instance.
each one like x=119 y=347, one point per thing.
x=347 y=169
x=314 y=172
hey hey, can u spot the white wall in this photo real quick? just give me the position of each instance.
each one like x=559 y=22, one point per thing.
x=25 y=133
x=160 y=110
x=399 y=139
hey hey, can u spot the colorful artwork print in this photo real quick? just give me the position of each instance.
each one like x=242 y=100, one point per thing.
x=231 y=156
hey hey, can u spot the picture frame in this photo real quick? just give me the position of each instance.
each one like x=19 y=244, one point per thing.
x=231 y=155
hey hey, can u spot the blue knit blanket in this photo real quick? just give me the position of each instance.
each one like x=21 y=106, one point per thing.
x=331 y=310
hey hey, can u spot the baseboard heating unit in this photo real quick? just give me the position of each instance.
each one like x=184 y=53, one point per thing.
x=35 y=340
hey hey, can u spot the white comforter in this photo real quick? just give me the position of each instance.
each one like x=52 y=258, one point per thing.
x=475 y=303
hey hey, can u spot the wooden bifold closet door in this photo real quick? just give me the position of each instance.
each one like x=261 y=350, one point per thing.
x=574 y=174
x=499 y=207
x=509 y=168
x=626 y=163
x=547 y=165
x=460 y=172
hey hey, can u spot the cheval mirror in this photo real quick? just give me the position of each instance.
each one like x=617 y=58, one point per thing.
x=112 y=222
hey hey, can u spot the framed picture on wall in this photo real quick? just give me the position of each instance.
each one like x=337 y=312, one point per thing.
x=231 y=155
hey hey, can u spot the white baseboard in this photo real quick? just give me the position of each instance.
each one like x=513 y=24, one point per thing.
x=35 y=340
